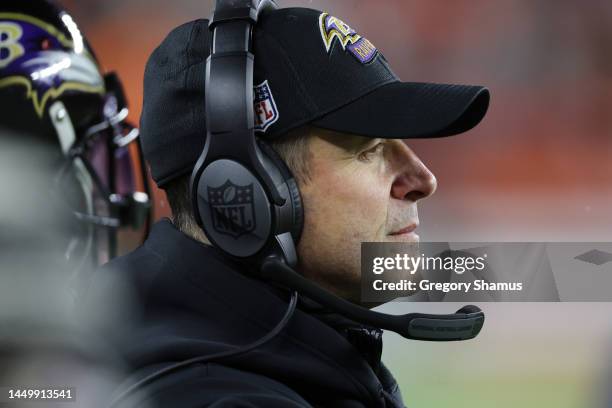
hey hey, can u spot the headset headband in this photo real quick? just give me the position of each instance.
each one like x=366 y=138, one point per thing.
x=229 y=83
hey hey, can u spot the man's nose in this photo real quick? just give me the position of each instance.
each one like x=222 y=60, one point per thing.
x=413 y=180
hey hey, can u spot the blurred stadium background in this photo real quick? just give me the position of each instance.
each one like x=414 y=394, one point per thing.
x=538 y=168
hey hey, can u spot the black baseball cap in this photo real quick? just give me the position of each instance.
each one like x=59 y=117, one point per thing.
x=310 y=68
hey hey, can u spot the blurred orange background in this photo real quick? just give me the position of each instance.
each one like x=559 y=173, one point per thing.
x=539 y=166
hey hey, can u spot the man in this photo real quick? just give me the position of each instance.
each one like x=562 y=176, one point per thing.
x=330 y=106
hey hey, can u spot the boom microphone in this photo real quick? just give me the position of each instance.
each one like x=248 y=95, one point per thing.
x=464 y=324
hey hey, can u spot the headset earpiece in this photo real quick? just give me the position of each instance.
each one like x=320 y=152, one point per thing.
x=236 y=210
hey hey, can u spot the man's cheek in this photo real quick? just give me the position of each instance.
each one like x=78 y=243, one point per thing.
x=374 y=207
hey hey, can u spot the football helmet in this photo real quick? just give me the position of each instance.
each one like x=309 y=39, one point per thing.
x=53 y=91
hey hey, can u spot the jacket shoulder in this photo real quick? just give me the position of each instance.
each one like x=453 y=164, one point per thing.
x=125 y=280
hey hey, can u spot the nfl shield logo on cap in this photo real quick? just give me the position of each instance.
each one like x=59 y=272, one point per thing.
x=264 y=106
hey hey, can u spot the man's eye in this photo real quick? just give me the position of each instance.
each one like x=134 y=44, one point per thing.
x=370 y=153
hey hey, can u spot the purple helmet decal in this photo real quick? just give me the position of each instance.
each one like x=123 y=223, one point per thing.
x=36 y=55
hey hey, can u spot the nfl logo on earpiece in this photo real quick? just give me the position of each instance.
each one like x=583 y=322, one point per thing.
x=264 y=106
x=232 y=210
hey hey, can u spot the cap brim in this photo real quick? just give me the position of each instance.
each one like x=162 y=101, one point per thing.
x=403 y=110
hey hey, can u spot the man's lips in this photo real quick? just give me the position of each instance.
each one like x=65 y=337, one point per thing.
x=406 y=230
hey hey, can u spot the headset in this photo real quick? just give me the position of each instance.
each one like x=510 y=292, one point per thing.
x=234 y=164
x=235 y=167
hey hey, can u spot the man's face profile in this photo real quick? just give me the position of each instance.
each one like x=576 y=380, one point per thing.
x=360 y=190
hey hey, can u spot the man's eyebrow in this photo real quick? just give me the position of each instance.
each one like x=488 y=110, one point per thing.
x=350 y=143
x=363 y=143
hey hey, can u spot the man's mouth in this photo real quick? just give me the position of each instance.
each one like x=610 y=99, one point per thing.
x=406 y=230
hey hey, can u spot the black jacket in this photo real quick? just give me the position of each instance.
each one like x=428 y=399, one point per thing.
x=188 y=299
